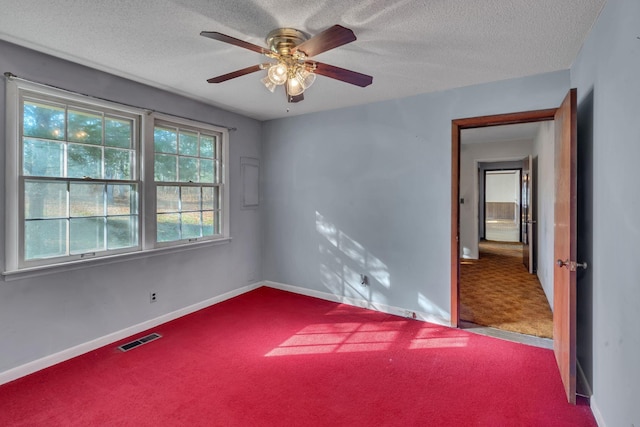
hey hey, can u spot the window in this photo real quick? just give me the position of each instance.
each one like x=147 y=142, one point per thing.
x=75 y=166
x=187 y=176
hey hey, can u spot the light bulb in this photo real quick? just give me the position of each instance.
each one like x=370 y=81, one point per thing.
x=268 y=83
x=278 y=73
x=305 y=78
x=294 y=87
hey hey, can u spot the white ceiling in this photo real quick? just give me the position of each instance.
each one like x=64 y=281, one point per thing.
x=408 y=46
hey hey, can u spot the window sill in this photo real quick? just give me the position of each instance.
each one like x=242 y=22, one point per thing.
x=26 y=273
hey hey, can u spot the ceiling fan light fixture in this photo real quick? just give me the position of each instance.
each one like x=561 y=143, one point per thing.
x=305 y=78
x=289 y=51
x=294 y=87
x=278 y=73
x=268 y=84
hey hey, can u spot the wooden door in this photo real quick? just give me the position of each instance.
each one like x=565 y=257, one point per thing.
x=564 y=277
x=526 y=213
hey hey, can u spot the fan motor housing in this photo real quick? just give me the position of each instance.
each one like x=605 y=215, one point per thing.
x=283 y=40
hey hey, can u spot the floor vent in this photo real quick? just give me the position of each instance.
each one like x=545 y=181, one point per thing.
x=133 y=344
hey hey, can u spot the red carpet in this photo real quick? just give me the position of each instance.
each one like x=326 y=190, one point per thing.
x=272 y=358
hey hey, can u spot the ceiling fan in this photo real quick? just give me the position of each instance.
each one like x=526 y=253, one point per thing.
x=291 y=50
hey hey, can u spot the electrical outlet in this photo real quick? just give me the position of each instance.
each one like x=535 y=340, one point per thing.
x=153 y=297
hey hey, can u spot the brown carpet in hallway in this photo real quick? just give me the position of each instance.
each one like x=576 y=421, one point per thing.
x=499 y=292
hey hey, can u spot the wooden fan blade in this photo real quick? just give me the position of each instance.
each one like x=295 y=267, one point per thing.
x=294 y=99
x=328 y=39
x=342 y=74
x=234 y=74
x=234 y=41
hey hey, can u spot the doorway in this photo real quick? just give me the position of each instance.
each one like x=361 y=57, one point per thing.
x=497 y=288
x=501 y=217
x=502 y=204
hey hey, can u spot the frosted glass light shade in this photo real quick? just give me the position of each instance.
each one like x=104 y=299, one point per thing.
x=278 y=74
x=305 y=78
x=294 y=87
x=268 y=83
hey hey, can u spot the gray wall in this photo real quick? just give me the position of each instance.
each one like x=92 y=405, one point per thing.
x=47 y=314
x=607 y=74
x=367 y=190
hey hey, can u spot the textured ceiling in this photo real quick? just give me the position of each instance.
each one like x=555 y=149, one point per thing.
x=409 y=47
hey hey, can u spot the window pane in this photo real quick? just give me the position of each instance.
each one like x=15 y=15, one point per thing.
x=122 y=232
x=43 y=121
x=84 y=161
x=188 y=144
x=168 y=226
x=191 y=226
x=86 y=199
x=167 y=199
x=45 y=199
x=42 y=158
x=165 y=168
x=209 y=198
x=207 y=146
x=165 y=140
x=45 y=239
x=122 y=200
x=86 y=235
x=206 y=171
x=208 y=225
x=117 y=163
x=188 y=169
x=190 y=199
x=85 y=127
x=117 y=133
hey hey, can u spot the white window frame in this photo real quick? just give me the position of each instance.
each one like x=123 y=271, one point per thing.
x=223 y=134
x=14 y=264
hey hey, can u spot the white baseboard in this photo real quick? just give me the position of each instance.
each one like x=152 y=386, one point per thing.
x=357 y=302
x=53 y=359
x=583 y=379
x=596 y=412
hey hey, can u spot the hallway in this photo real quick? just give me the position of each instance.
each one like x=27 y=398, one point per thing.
x=497 y=291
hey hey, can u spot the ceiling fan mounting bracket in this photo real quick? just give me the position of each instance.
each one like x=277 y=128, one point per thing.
x=283 y=40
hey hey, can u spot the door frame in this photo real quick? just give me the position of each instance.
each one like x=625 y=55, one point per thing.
x=456 y=126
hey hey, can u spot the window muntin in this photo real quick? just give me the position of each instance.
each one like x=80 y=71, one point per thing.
x=75 y=188
x=188 y=181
